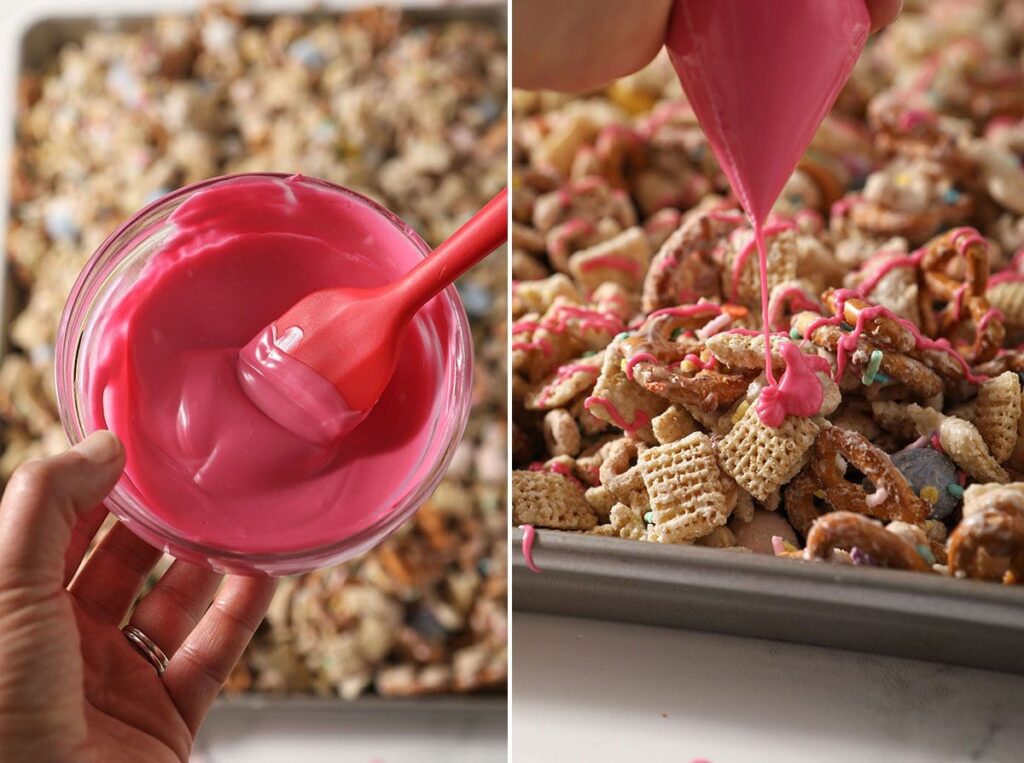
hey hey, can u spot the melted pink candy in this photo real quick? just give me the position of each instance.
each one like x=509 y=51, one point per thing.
x=529 y=535
x=1007 y=276
x=746 y=251
x=556 y=468
x=564 y=373
x=797 y=300
x=613 y=262
x=640 y=357
x=639 y=421
x=704 y=365
x=798 y=392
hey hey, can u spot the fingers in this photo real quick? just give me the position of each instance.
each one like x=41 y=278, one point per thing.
x=41 y=505
x=85 y=530
x=883 y=11
x=169 y=612
x=111 y=579
x=200 y=667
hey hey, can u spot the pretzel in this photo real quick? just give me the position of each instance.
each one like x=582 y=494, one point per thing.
x=799 y=504
x=895 y=364
x=969 y=292
x=848 y=531
x=982 y=538
x=683 y=268
x=660 y=371
x=893 y=497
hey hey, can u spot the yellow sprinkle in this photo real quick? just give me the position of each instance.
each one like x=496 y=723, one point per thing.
x=740 y=411
x=819 y=494
x=930 y=493
x=688 y=367
x=622 y=365
x=902 y=179
x=787 y=546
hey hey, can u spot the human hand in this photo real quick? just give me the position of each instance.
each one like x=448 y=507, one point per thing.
x=72 y=687
x=577 y=45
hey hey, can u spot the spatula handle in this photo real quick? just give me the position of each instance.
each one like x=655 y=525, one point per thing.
x=478 y=237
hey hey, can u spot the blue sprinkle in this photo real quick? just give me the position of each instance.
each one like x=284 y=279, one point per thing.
x=488 y=108
x=649 y=517
x=156 y=193
x=926 y=553
x=307 y=54
x=476 y=299
x=845 y=326
x=623 y=335
x=882 y=379
x=952 y=196
x=794 y=334
x=59 y=220
x=956 y=491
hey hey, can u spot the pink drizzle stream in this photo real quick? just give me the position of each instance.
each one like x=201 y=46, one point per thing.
x=529 y=535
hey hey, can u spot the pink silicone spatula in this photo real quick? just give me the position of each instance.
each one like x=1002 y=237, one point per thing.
x=319 y=369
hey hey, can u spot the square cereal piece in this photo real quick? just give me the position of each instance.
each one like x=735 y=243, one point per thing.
x=760 y=458
x=622 y=259
x=997 y=414
x=544 y=499
x=685 y=489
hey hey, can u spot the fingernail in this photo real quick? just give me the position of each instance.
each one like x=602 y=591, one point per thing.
x=100 y=447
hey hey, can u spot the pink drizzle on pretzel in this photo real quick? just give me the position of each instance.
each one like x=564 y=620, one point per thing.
x=613 y=262
x=563 y=374
x=640 y=357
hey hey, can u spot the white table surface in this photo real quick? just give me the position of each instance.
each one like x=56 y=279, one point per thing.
x=599 y=691
x=234 y=736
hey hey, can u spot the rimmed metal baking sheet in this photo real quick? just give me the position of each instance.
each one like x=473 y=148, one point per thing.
x=903 y=614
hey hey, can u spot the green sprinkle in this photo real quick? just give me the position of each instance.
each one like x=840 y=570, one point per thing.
x=955 y=490
x=845 y=326
x=649 y=517
x=882 y=379
x=871 y=369
x=623 y=335
x=590 y=353
x=794 y=334
x=676 y=333
x=926 y=553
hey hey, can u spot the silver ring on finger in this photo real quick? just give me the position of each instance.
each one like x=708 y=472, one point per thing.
x=145 y=646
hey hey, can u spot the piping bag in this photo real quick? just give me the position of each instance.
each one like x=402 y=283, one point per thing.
x=319 y=368
x=761 y=75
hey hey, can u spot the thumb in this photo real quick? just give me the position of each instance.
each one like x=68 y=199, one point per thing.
x=43 y=501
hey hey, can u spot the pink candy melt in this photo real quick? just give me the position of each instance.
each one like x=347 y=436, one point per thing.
x=760 y=76
x=798 y=392
x=529 y=535
x=200 y=455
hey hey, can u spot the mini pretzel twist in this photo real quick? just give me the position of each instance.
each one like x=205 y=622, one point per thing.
x=845 y=530
x=707 y=389
x=960 y=295
x=994 y=532
x=799 y=497
x=893 y=498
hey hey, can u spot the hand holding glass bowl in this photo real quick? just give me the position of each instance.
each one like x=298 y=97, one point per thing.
x=147 y=347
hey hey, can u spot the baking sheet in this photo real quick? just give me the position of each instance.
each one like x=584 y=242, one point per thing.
x=41 y=30
x=903 y=614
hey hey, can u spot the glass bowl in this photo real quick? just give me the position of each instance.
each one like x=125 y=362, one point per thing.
x=118 y=264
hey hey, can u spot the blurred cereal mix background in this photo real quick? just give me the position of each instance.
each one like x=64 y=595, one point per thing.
x=408 y=109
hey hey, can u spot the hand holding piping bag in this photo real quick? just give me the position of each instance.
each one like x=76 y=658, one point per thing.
x=577 y=45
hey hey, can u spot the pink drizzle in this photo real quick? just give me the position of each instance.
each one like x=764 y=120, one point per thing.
x=529 y=535
x=760 y=234
x=640 y=420
x=798 y=392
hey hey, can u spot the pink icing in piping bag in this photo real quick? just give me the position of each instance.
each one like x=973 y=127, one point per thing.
x=761 y=75
x=320 y=368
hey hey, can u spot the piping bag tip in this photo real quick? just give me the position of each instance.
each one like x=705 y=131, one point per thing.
x=292 y=394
